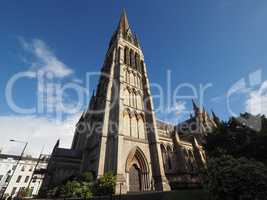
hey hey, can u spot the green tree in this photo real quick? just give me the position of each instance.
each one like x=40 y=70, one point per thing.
x=79 y=186
x=239 y=138
x=228 y=178
x=105 y=185
x=87 y=177
x=24 y=192
x=75 y=189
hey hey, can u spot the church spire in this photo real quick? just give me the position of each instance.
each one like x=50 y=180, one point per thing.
x=125 y=31
x=123 y=26
x=216 y=119
x=195 y=107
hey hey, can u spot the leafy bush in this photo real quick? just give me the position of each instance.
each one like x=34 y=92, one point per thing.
x=82 y=186
x=24 y=192
x=105 y=185
x=87 y=177
x=76 y=187
x=72 y=189
x=234 y=179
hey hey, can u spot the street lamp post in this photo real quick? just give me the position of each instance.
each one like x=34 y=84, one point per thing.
x=20 y=158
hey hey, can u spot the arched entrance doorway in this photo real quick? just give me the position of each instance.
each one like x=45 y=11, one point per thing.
x=137 y=170
x=134 y=179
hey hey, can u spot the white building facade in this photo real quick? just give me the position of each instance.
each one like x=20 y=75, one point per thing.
x=28 y=173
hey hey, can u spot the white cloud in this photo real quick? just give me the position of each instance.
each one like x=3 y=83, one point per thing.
x=180 y=108
x=174 y=114
x=50 y=124
x=257 y=100
x=38 y=131
x=238 y=88
x=76 y=80
x=51 y=73
x=44 y=59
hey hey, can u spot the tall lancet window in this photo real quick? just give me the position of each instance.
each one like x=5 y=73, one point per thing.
x=141 y=127
x=127 y=122
x=137 y=60
x=134 y=75
x=134 y=99
x=125 y=75
x=141 y=66
x=131 y=58
x=134 y=126
x=127 y=97
x=118 y=54
x=131 y=78
x=139 y=101
x=126 y=56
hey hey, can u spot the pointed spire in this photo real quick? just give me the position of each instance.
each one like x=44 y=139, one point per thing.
x=81 y=118
x=205 y=114
x=92 y=98
x=191 y=115
x=136 y=40
x=123 y=26
x=195 y=107
x=57 y=143
x=56 y=146
x=215 y=118
x=213 y=114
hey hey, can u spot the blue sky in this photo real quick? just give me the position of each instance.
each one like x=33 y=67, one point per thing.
x=199 y=42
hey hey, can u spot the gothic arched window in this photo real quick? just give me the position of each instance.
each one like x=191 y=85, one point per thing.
x=141 y=66
x=127 y=96
x=139 y=100
x=127 y=122
x=141 y=127
x=164 y=155
x=137 y=61
x=169 y=150
x=126 y=56
x=131 y=58
x=134 y=79
x=134 y=126
x=139 y=80
x=125 y=75
x=134 y=99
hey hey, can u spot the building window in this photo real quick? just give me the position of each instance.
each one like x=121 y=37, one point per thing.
x=1 y=176
x=8 y=178
x=13 y=191
x=23 y=168
x=26 y=179
x=18 y=179
x=31 y=190
x=31 y=168
x=22 y=190
x=34 y=179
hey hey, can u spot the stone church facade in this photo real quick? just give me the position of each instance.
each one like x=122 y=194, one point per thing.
x=119 y=131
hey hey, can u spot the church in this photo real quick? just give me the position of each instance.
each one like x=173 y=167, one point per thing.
x=119 y=131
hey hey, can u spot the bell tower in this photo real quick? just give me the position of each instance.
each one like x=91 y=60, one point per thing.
x=121 y=133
